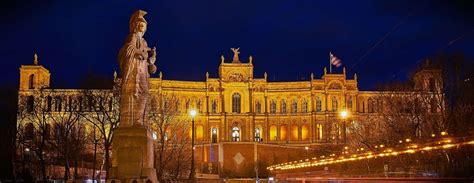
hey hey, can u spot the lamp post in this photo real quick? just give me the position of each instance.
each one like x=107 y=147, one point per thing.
x=344 y=114
x=192 y=175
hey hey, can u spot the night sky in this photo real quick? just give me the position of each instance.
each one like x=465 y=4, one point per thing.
x=380 y=40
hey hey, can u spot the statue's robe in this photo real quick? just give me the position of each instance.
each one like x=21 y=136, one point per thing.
x=133 y=62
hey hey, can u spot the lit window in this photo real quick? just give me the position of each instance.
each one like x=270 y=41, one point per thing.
x=257 y=134
x=283 y=106
x=273 y=107
x=214 y=135
x=318 y=105
x=294 y=107
x=235 y=134
x=305 y=106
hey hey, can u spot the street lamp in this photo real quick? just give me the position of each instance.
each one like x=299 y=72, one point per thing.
x=344 y=114
x=193 y=114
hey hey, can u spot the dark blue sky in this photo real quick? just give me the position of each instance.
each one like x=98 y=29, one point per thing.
x=288 y=39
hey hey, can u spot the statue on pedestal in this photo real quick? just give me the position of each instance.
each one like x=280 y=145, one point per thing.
x=132 y=149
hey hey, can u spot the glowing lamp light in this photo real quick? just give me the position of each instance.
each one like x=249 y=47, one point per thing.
x=306 y=147
x=192 y=113
x=444 y=133
x=344 y=114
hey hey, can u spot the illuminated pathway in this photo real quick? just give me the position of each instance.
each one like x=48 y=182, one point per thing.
x=445 y=143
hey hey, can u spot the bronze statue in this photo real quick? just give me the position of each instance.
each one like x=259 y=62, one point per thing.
x=136 y=61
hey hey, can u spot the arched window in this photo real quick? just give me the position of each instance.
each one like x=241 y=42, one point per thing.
x=349 y=103
x=258 y=107
x=319 y=131
x=90 y=103
x=236 y=103
x=283 y=106
x=198 y=106
x=31 y=82
x=214 y=135
x=318 y=105
x=79 y=99
x=30 y=103
x=371 y=106
x=257 y=134
x=273 y=106
x=235 y=134
x=178 y=106
x=187 y=105
x=214 y=107
x=432 y=85
x=57 y=104
x=294 y=106
x=334 y=104
x=111 y=101
x=68 y=104
x=305 y=106
x=49 y=103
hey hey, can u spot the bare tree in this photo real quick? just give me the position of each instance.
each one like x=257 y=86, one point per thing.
x=104 y=116
x=172 y=144
x=67 y=129
x=33 y=130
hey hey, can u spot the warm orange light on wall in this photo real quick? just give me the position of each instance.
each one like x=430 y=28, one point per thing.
x=283 y=132
x=273 y=133
x=304 y=132
x=199 y=132
x=294 y=132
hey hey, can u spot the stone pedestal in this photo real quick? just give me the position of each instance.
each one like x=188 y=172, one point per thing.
x=132 y=156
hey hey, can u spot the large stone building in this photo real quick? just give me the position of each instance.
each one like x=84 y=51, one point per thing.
x=238 y=108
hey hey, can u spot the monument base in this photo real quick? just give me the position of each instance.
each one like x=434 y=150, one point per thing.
x=132 y=156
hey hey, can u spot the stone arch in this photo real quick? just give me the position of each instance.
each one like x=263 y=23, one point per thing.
x=335 y=85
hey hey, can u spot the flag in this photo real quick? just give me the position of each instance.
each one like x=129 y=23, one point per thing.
x=211 y=152
x=334 y=60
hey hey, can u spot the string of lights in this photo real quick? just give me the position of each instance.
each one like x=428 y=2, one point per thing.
x=444 y=143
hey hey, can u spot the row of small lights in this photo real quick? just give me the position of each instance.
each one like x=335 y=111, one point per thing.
x=413 y=148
